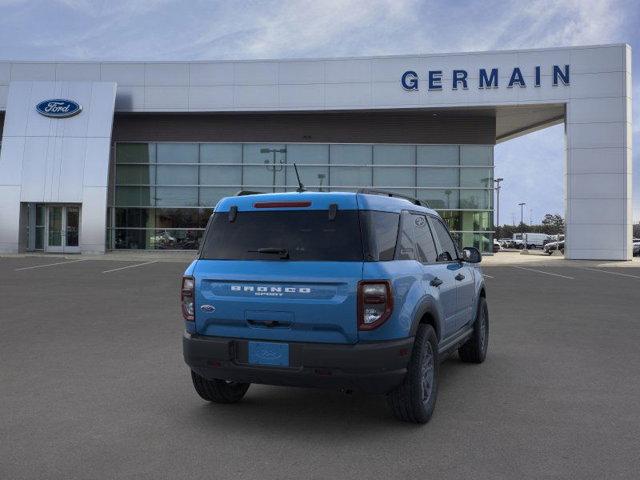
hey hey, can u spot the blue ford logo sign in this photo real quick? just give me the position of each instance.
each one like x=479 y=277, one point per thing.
x=58 y=108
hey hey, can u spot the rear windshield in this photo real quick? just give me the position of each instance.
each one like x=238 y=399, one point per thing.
x=276 y=235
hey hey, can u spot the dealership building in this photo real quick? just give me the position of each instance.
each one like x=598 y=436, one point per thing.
x=99 y=156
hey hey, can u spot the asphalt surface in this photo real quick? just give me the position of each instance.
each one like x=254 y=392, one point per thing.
x=92 y=385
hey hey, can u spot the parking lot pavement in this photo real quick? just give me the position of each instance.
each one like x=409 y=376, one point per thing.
x=93 y=386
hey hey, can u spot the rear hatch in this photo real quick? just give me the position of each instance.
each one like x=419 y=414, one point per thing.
x=284 y=271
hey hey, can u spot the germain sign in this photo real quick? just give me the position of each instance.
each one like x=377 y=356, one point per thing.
x=58 y=108
x=487 y=78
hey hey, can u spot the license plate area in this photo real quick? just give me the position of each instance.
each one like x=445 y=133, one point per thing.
x=268 y=353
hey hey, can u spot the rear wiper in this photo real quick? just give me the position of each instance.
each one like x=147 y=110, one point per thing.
x=283 y=252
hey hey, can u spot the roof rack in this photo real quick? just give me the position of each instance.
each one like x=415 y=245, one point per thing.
x=373 y=191
x=242 y=193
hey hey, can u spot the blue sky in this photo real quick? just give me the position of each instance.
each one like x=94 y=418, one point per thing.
x=248 y=29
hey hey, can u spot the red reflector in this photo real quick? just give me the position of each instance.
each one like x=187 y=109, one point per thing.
x=281 y=204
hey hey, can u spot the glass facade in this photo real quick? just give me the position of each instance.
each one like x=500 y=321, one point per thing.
x=164 y=193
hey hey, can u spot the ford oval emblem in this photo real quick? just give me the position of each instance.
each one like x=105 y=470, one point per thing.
x=58 y=108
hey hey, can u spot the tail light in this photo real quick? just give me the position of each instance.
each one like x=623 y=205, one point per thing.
x=186 y=298
x=375 y=303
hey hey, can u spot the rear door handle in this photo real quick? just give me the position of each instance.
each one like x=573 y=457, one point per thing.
x=436 y=282
x=459 y=277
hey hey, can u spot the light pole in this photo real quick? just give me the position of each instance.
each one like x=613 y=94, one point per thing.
x=497 y=181
x=273 y=165
x=524 y=240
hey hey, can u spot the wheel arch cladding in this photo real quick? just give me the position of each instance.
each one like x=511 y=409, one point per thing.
x=427 y=314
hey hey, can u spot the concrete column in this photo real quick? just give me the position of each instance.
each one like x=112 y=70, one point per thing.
x=598 y=207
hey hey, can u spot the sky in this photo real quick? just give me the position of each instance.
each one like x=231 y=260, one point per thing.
x=532 y=165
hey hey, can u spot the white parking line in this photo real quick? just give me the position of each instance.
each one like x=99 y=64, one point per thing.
x=487 y=276
x=130 y=266
x=545 y=273
x=49 y=265
x=611 y=273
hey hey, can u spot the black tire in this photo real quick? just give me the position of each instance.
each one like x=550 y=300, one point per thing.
x=219 y=391
x=415 y=400
x=474 y=350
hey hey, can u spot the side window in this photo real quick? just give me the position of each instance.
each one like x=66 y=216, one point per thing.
x=405 y=249
x=380 y=231
x=447 y=251
x=426 y=249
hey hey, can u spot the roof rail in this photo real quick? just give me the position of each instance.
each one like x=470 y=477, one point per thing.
x=373 y=191
x=242 y=193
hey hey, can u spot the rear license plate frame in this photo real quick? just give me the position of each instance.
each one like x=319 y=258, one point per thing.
x=270 y=354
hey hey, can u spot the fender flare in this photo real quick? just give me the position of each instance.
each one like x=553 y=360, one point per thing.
x=427 y=305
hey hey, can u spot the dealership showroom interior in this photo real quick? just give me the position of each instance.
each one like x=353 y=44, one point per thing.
x=347 y=239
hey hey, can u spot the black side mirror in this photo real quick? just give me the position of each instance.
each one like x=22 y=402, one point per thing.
x=471 y=255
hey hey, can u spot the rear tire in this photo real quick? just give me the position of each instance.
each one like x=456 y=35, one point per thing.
x=474 y=350
x=218 y=391
x=415 y=400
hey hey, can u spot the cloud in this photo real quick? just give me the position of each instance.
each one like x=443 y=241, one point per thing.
x=250 y=29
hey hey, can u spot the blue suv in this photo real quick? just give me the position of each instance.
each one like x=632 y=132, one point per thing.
x=355 y=291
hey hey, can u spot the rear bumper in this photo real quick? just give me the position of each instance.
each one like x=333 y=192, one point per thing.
x=375 y=367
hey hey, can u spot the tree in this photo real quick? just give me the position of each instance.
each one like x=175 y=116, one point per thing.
x=553 y=220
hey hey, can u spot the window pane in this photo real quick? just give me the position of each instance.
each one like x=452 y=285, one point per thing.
x=476 y=155
x=438 y=177
x=221 y=175
x=135 y=196
x=447 y=249
x=406 y=240
x=157 y=239
x=380 y=231
x=305 y=235
x=438 y=155
x=221 y=153
x=313 y=177
x=350 y=177
x=476 y=199
x=453 y=219
x=178 y=217
x=440 y=199
x=135 y=152
x=482 y=241
x=177 y=175
x=39 y=238
x=209 y=196
x=426 y=249
x=475 y=221
x=134 y=217
x=476 y=177
x=135 y=174
x=261 y=176
x=397 y=176
x=40 y=218
x=351 y=154
x=177 y=196
x=177 y=153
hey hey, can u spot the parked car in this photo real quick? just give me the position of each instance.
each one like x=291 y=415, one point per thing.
x=636 y=247
x=533 y=240
x=496 y=246
x=355 y=291
x=506 y=243
x=553 y=246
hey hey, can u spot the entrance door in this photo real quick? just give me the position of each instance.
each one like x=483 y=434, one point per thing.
x=63 y=228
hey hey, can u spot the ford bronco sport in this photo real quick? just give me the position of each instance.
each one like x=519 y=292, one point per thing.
x=356 y=291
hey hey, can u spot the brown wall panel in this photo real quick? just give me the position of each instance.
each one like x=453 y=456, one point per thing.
x=316 y=127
